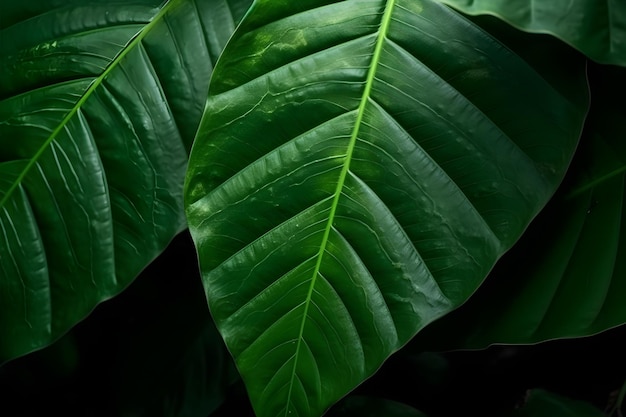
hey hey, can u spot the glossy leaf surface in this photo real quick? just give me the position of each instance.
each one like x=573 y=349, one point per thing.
x=360 y=167
x=575 y=284
x=100 y=103
x=595 y=27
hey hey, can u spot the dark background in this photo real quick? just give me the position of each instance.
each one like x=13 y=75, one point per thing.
x=153 y=351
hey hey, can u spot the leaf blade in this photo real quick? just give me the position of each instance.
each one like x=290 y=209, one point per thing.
x=269 y=187
x=572 y=287
x=93 y=153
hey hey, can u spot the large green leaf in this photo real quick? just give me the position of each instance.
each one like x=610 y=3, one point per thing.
x=100 y=102
x=595 y=27
x=360 y=167
x=575 y=284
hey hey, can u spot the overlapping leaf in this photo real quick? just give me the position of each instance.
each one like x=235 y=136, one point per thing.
x=100 y=102
x=574 y=285
x=360 y=167
x=597 y=28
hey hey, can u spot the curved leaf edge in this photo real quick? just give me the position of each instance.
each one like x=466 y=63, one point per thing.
x=53 y=337
x=57 y=336
x=597 y=57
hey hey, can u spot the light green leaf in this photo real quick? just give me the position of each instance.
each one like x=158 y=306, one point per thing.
x=100 y=103
x=360 y=167
x=595 y=27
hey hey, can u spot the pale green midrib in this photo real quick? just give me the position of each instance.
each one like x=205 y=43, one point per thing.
x=92 y=87
x=382 y=33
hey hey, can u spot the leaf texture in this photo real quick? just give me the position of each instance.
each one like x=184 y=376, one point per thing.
x=360 y=167
x=596 y=28
x=100 y=103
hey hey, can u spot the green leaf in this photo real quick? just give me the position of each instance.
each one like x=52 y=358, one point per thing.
x=360 y=167
x=596 y=28
x=100 y=103
x=541 y=403
x=574 y=285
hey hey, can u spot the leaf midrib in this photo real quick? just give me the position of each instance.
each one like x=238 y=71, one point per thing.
x=382 y=34
x=92 y=87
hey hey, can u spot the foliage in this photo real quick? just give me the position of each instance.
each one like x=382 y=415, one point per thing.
x=359 y=169
x=573 y=286
x=99 y=107
x=383 y=191
x=597 y=28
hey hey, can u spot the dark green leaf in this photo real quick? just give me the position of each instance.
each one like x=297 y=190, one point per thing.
x=595 y=27
x=360 y=167
x=100 y=103
x=575 y=283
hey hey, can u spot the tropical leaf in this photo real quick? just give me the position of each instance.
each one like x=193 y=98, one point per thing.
x=360 y=167
x=100 y=103
x=596 y=28
x=574 y=285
